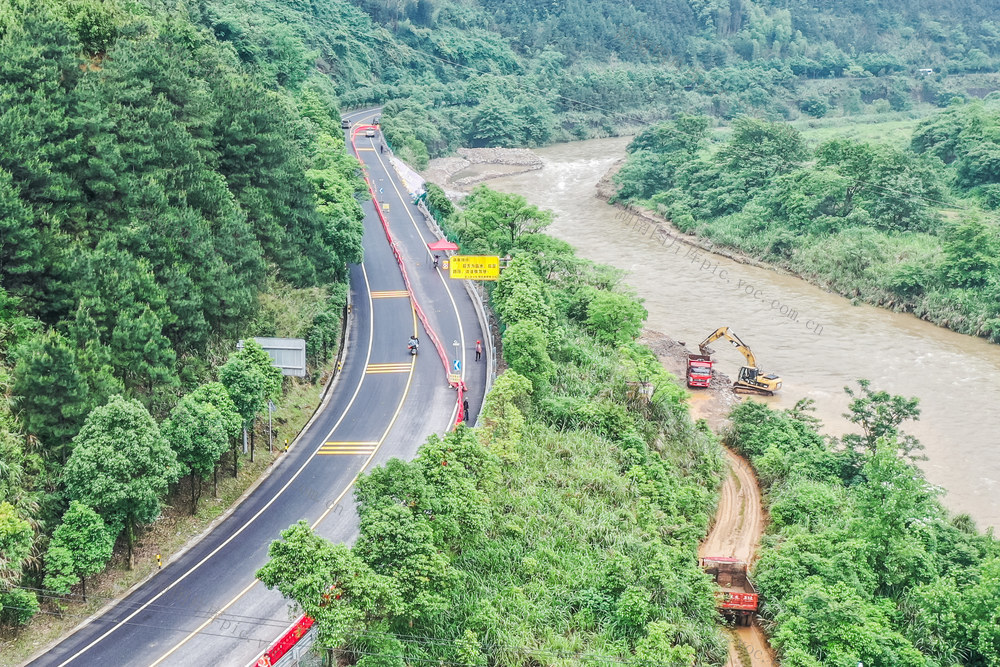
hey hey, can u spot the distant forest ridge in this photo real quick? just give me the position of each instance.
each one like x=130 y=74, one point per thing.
x=818 y=38
x=526 y=73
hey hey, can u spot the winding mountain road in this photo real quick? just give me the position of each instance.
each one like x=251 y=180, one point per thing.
x=205 y=607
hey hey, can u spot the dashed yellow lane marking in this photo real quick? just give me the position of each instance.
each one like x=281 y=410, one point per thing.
x=391 y=294
x=365 y=149
x=347 y=448
x=389 y=368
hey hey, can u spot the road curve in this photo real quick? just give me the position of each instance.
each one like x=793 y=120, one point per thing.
x=205 y=607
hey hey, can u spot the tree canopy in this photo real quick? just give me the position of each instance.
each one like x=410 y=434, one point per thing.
x=121 y=466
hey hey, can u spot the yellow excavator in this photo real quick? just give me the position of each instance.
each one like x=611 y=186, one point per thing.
x=751 y=379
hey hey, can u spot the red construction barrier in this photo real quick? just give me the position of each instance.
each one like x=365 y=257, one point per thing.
x=286 y=642
x=406 y=279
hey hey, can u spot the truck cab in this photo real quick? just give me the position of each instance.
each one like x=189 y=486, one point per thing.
x=699 y=370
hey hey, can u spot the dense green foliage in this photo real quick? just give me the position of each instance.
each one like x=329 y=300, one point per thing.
x=121 y=466
x=496 y=73
x=80 y=546
x=869 y=220
x=161 y=195
x=522 y=73
x=861 y=562
x=562 y=529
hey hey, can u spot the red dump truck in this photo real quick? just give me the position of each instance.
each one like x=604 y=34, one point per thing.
x=736 y=597
x=699 y=372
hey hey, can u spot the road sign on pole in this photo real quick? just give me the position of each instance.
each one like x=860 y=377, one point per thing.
x=456 y=365
x=475 y=267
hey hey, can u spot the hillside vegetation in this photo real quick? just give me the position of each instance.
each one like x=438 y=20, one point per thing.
x=527 y=72
x=910 y=227
x=160 y=197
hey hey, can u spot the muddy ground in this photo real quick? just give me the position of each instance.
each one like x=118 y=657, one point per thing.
x=712 y=404
x=740 y=519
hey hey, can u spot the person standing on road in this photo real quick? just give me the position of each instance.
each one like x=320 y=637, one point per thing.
x=479 y=350
x=465 y=410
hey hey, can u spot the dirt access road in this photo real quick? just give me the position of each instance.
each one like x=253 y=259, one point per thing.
x=739 y=520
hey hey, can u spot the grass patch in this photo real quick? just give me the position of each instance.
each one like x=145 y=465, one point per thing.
x=894 y=129
x=741 y=648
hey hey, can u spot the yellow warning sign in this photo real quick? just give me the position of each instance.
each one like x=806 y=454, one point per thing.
x=475 y=267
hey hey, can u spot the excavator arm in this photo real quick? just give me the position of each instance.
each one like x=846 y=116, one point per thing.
x=724 y=332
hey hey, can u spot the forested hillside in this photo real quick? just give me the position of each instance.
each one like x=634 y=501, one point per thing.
x=528 y=72
x=525 y=73
x=161 y=196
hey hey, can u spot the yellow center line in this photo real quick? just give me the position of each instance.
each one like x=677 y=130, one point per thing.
x=347 y=448
x=330 y=506
x=389 y=367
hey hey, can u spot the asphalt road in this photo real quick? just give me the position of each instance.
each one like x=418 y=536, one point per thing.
x=205 y=607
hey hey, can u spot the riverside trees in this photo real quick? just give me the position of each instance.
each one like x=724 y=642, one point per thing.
x=866 y=219
x=861 y=561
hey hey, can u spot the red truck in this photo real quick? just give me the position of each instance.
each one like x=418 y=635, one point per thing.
x=736 y=597
x=699 y=373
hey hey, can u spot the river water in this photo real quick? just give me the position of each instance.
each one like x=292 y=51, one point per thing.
x=818 y=342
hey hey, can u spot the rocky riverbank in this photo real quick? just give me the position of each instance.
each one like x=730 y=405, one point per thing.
x=482 y=164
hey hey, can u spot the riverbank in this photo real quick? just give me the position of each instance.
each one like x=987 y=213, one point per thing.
x=666 y=232
x=475 y=165
x=927 y=255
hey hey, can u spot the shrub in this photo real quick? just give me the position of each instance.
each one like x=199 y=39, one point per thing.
x=17 y=607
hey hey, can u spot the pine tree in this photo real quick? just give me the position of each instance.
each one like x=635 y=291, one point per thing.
x=51 y=392
x=142 y=353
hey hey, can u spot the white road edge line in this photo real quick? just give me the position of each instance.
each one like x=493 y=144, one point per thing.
x=458 y=318
x=357 y=390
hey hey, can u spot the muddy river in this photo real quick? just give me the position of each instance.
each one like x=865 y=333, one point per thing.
x=818 y=342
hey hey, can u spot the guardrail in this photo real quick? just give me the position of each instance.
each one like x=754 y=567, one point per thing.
x=476 y=292
x=288 y=649
x=460 y=386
